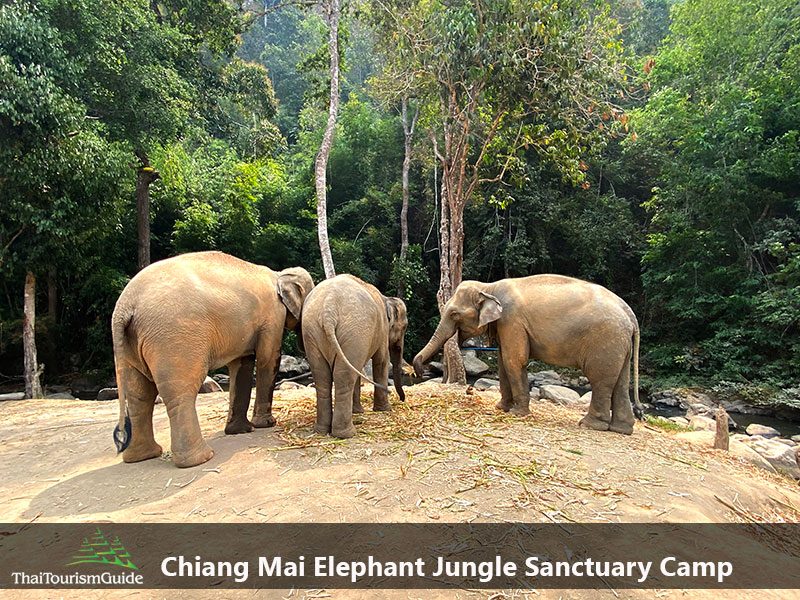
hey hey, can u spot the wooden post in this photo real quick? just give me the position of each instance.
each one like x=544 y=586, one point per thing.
x=33 y=389
x=721 y=439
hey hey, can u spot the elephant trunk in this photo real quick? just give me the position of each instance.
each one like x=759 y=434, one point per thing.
x=444 y=332
x=397 y=370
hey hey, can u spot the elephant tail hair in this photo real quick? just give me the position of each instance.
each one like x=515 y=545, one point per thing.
x=331 y=333
x=637 y=406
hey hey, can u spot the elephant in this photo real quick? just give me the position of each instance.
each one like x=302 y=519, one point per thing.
x=345 y=323
x=556 y=319
x=182 y=316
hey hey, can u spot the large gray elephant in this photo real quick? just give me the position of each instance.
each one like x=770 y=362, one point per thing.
x=345 y=323
x=182 y=316
x=560 y=320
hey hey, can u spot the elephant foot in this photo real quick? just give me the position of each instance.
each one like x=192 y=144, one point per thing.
x=138 y=453
x=591 y=422
x=198 y=457
x=322 y=429
x=504 y=406
x=520 y=410
x=347 y=432
x=357 y=409
x=238 y=426
x=382 y=407
x=260 y=421
x=623 y=428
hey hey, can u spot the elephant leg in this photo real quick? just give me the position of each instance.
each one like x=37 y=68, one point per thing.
x=514 y=363
x=268 y=360
x=241 y=374
x=140 y=396
x=342 y=422
x=598 y=417
x=321 y=372
x=380 y=370
x=188 y=446
x=506 y=398
x=621 y=409
x=357 y=408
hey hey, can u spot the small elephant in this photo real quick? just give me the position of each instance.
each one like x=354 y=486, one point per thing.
x=345 y=323
x=557 y=319
x=182 y=316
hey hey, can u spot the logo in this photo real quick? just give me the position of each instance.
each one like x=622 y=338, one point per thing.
x=103 y=550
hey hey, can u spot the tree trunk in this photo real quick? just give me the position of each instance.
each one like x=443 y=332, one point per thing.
x=33 y=389
x=408 y=131
x=52 y=294
x=721 y=438
x=146 y=176
x=321 y=164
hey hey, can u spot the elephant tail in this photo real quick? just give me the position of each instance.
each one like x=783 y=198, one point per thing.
x=637 y=406
x=119 y=323
x=330 y=331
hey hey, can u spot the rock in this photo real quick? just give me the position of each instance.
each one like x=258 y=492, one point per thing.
x=209 y=386
x=585 y=400
x=473 y=365
x=684 y=398
x=737 y=449
x=762 y=430
x=782 y=457
x=110 y=393
x=486 y=384
x=541 y=378
x=293 y=366
x=704 y=410
x=222 y=379
x=12 y=396
x=739 y=406
x=795 y=438
x=60 y=396
x=682 y=421
x=789 y=443
x=435 y=367
x=702 y=423
x=288 y=385
x=536 y=394
x=560 y=395
x=435 y=380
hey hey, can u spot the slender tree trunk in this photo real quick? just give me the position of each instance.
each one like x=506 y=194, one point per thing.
x=145 y=177
x=33 y=388
x=52 y=294
x=408 y=131
x=321 y=164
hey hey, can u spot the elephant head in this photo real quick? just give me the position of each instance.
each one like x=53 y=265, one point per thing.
x=468 y=313
x=294 y=284
x=398 y=323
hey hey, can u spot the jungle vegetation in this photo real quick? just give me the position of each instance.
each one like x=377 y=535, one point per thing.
x=651 y=146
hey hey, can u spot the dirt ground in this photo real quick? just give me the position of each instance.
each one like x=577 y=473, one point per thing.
x=446 y=455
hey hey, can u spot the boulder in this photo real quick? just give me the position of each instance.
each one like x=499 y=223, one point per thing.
x=796 y=438
x=683 y=398
x=293 y=366
x=702 y=423
x=782 y=457
x=109 y=393
x=740 y=406
x=486 y=384
x=435 y=380
x=60 y=396
x=682 y=421
x=435 y=367
x=541 y=378
x=585 y=400
x=288 y=385
x=473 y=365
x=12 y=396
x=789 y=443
x=222 y=379
x=762 y=430
x=536 y=394
x=209 y=386
x=698 y=408
x=560 y=395
x=736 y=448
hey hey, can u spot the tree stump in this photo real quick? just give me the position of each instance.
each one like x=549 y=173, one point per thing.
x=721 y=439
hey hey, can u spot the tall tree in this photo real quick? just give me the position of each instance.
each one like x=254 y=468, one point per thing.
x=333 y=9
x=501 y=76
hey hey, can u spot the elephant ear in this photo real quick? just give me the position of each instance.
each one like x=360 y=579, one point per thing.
x=489 y=310
x=293 y=286
x=395 y=309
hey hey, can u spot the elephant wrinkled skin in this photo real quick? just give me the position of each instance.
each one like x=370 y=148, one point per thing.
x=345 y=323
x=560 y=320
x=182 y=316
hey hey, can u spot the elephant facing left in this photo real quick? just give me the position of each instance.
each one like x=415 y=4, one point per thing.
x=181 y=317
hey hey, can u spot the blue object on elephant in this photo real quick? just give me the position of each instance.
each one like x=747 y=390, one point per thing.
x=478 y=348
x=123 y=438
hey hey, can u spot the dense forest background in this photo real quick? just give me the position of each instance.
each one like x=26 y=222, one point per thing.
x=689 y=208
